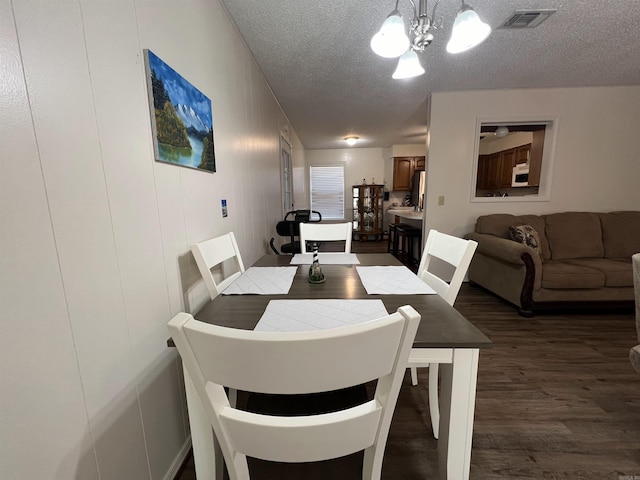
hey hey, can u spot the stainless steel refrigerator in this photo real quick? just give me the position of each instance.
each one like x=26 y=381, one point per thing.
x=417 y=194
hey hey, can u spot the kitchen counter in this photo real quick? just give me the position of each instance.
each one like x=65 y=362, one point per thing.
x=406 y=213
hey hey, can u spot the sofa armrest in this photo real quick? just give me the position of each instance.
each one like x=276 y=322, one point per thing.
x=511 y=269
x=500 y=248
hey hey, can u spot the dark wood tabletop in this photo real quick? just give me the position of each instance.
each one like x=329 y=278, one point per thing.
x=441 y=326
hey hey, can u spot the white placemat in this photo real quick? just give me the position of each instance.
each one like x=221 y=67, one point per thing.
x=326 y=258
x=390 y=280
x=305 y=315
x=263 y=281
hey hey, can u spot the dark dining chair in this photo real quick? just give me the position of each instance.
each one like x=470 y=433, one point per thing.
x=289 y=228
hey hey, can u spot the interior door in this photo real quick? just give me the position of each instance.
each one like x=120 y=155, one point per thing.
x=286 y=176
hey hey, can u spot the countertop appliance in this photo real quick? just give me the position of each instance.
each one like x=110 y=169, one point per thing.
x=520 y=175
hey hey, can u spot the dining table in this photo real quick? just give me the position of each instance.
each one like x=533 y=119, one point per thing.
x=444 y=336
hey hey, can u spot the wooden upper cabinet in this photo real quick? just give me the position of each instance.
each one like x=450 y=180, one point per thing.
x=403 y=170
x=507 y=162
x=535 y=163
x=402 y=173
x=523 y=153
x=482 y=178
x=495 y=170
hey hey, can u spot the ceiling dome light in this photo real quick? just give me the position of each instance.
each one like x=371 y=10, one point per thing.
x=391 y=41
x=351 y=141
x=468 y=31
x=501 y=131
x=408 y=66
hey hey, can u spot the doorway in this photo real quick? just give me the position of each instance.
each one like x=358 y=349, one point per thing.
x=286 y=176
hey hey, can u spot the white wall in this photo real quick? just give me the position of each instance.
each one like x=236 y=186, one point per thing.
x=95 y=235
x=597 y=163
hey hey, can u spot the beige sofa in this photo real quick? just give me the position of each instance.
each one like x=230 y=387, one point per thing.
x=634 y=353
x=582 y=258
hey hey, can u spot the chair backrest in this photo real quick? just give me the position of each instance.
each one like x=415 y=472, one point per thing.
x=290 y=227
x=213 y=252
x=455 y=251
x=298 y=363
x=310 y=232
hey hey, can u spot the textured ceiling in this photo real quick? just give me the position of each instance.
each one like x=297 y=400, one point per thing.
x=316 y=57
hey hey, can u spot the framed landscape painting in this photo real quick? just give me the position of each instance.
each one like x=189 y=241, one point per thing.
x=181 y=118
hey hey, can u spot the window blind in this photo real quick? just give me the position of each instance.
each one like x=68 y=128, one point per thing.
x=327 y=191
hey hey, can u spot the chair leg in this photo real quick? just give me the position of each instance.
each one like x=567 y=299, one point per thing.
x=414 y=376
x=275 y=250
x=434 y=406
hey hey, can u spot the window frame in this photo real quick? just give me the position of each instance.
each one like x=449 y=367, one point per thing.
x=552 y=124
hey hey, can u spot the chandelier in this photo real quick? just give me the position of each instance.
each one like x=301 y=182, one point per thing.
x=391 y=41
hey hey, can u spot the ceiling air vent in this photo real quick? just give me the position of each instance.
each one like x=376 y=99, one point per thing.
x=527 y=18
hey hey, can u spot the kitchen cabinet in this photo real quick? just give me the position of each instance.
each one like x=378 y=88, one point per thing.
x=403 y=170
x=495 y=170
x=367 y=203
x=523 y=153
x=507 y=162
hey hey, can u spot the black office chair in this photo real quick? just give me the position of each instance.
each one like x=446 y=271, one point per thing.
x=290 y=228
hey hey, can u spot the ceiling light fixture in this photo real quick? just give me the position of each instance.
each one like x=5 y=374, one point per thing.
x=501 y=131
x=391 y=41
x=351 y=141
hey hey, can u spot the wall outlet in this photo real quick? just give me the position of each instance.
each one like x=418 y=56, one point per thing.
x=441 y=200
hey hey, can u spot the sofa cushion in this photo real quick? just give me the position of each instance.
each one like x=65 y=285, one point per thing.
x=574 y=235
x=620 y=233
x=496 y=224
x=537 y=222
x=616 y=274
x=564 y=275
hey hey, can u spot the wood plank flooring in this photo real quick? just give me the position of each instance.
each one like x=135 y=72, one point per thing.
x=556 y=399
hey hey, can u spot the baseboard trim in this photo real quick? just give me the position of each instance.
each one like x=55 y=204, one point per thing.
x=178 y=462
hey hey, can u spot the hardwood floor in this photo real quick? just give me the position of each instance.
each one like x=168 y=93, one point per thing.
x=556 y=399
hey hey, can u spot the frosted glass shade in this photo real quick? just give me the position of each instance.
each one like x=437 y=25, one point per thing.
x=391 y=41
x=468 y=31
x=501 y=131
x=408 y=66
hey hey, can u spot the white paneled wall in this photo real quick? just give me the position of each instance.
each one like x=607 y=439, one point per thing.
x=95 y=235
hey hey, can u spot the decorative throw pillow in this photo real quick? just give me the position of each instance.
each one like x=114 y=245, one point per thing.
x=525 y=234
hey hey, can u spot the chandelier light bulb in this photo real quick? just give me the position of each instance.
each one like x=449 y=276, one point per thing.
x=408 y=66
x=468 y=31
x=391 y=41
x=351 y=141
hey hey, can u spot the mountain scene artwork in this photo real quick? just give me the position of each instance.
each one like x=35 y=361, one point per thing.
x=181 y=118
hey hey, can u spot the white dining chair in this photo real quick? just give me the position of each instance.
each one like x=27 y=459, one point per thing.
x=294 y=363
x=458 y=253
x=213 y=252
x=324 y=232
